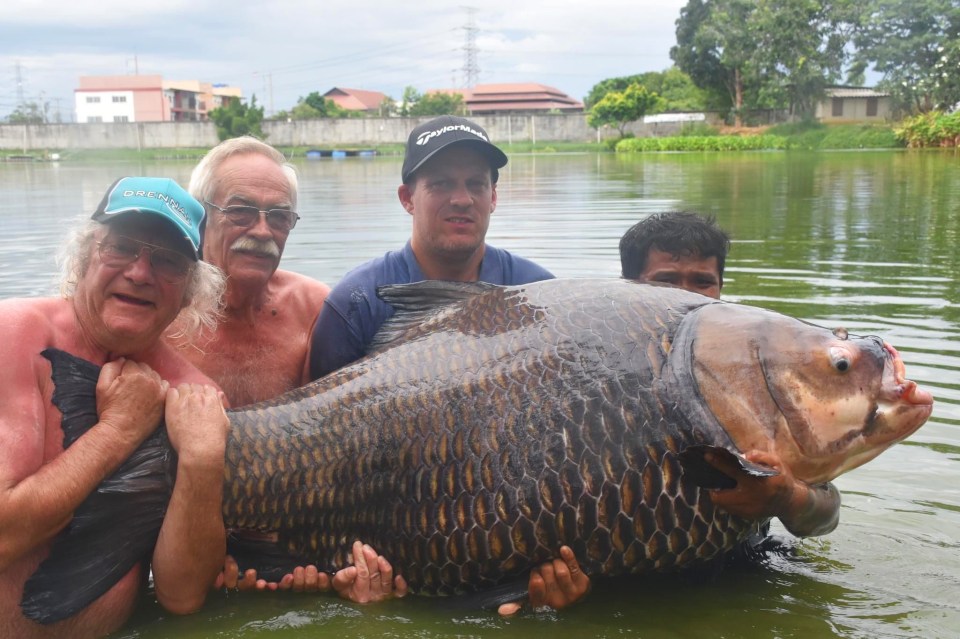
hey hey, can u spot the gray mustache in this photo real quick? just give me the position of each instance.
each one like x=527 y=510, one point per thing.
x=254 y=245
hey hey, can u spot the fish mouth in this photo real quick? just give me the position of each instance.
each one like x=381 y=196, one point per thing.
x=900 y=395
x=903 y=388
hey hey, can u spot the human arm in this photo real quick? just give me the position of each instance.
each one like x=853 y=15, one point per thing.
x=557 y=584
x=334 y=343
x=39 y=490
x=805 y=510
x=192 y=541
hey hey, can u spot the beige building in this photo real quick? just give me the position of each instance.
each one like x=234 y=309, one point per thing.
x=843 y=105
x=148 y=98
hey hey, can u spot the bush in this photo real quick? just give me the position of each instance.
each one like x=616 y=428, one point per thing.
x=930 y=130
x=703 y=143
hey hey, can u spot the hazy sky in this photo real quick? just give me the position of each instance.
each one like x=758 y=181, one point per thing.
x=281 y=50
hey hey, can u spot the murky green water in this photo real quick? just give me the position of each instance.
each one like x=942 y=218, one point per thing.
x=863 y=240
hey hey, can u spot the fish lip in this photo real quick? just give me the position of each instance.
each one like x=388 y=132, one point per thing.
x=901 y=388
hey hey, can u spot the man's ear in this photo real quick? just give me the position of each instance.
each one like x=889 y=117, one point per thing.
x=406 y=197
x=493 y=197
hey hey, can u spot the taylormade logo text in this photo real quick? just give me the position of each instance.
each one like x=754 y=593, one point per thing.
x=426 y=136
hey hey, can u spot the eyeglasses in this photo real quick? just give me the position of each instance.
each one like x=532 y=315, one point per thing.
x=117 y=251
x=246 y=216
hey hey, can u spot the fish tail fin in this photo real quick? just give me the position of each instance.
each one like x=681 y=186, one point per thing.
x=116 y=526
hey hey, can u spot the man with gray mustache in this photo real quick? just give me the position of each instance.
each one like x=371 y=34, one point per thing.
x=259 y=347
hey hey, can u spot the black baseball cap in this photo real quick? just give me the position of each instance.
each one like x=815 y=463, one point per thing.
x=429 y=138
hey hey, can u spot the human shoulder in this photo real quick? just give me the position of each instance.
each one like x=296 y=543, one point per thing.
x=299 y=284
x=362 y=281
x=298 y=292
x=514 y=269
x=36 y=322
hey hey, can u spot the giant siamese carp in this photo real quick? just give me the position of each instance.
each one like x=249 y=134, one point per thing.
x=490 y=425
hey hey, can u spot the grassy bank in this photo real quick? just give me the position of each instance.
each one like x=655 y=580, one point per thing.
x=805 y=136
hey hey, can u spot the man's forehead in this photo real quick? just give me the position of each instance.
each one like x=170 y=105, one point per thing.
x=665 y=260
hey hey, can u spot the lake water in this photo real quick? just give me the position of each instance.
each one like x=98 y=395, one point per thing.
x=866 y=240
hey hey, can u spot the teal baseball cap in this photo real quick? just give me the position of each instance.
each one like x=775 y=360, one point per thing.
x=158 y=196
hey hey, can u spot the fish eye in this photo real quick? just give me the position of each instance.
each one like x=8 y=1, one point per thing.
x=840 y=359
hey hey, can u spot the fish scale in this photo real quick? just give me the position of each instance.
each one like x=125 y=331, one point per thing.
x=490 y=452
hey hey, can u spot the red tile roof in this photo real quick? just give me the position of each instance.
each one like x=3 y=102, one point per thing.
x=356 y=99
x=517 y=96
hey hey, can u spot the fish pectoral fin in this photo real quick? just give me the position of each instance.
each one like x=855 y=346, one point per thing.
x=698 y=470
x=264 y=553
x=413 y=303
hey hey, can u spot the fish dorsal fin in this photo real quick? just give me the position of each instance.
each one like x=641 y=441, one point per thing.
x=416 y=302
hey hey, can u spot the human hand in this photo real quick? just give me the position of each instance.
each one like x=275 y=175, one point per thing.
x=230 y=578
x=130 y=398
x=197 y=424
x=369 y=579
x=757 y=497
x=557 y=584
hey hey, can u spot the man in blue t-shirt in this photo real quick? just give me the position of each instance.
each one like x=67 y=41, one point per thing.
x=449 y=173
x=449 y=187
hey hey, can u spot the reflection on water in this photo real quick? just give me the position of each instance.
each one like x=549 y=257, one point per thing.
x=861 y=240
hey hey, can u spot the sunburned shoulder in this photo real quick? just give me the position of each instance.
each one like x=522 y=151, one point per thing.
x=34 y=319
x=295 y=282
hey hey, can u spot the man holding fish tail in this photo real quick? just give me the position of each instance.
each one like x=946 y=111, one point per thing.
x=131 y=270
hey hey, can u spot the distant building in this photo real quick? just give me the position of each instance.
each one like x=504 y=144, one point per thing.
x=370 y=102
x=148 y=98
x=522 y=97
x=843 y=104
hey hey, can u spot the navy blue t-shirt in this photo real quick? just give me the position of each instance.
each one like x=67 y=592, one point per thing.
x=352 y=313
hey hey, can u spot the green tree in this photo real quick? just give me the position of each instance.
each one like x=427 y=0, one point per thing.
x=802 y=49
x=236 y=119
x=678 y=91
x=388 y=106
x=29 y=113
x=410 y=97
x=438 y=104
x=326 y=107
x=915 y=44
x=699 y=53
x=620 y=108
x=602 y=88
x=765 y=53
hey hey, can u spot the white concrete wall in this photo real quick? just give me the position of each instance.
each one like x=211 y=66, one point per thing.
x=321 y=134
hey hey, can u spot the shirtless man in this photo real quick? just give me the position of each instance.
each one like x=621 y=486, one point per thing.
x=131 y=271
x=685 y=250
x=259 y=348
